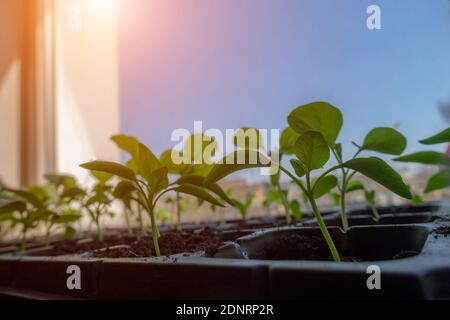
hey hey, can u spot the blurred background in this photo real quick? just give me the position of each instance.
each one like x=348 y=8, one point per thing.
x=74 y=72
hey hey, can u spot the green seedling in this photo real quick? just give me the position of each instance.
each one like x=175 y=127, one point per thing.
x=441 y=179
x=417 y=200
x=4 y=199
x=197 y=163
x=276 y=196
x=65 y=197
x=125 y=192
x=175 y=170
x=288 y=140
x=150 y=178
x=98 y=200
x=245 y=205
x=252 y=139
x=318 y=126
x=214 y=209
x=179 y=205
x=25 y=211
x=369 y=196
x=193 y=205
x=381 y=140
x=162 y=215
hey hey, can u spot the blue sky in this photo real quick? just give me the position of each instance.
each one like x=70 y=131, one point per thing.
x=234 y=63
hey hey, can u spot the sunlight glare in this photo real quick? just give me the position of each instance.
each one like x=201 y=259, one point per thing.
x=106 y=7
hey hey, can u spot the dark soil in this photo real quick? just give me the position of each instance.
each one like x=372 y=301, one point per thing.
x=78 y=247
x=444 y=231
x=309 y=248
x=172 y=242
x=294 y=247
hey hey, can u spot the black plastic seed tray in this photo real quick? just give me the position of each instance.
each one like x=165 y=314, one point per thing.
x=405 y=254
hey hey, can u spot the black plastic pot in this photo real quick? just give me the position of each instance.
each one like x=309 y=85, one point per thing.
x=413 y=255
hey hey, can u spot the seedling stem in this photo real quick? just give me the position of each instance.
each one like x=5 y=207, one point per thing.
x=309 y=194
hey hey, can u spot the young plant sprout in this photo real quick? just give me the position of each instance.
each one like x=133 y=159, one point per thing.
x=162 y=216
x=277 y=196
x=98 y=200
x=318 y=126
x=441 y=179
x=417 y=200
x=214 y=209
x=196 y=161
x=369 y=196
x=244 y=206
x=175 y=170
x=127 y=194
x=193 y=205
x=150 y=178
x=287 y=147
x=252 y=139
x=382 y=140
x=179 y=205
x=25 y=211
x=63 y=193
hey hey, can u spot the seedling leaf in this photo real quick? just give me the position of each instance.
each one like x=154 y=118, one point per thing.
x=27 y=196
x=4 y=216
x=385 y=140
x=60 y=179
x=324 y=185
x=149 y=167
x=438 y=181
x=287 y=141
x=123 y=189
x=379 y=171
x=426 y=157
x=67 y=218
x=370 y=197
x=199 y=181
x=354 y=185
x=296 y=211
x=199 y=193
x=166 y=160
x=441 y=137
x=321 y=117
x=298 y=167
x=102 y=177
x=13 y=206
x=111 y=167
x=232 y=163
x=72 y=192
x=127 y=143
x=312 y=150
x=41 y=214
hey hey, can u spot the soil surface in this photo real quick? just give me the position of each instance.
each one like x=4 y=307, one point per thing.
x=444 y=231
x=78 y=247
x=294 y=247
x=310 y=248
x=170 y=243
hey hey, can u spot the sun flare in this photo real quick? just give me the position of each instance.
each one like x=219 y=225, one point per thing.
x=105 y=6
